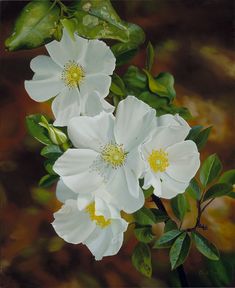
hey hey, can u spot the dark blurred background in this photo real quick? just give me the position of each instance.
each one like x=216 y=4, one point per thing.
x=194 y=40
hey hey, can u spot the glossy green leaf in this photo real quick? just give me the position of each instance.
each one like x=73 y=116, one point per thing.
x=135 y=80
x=228 y=177
x=160 y=216
x=37 y=131
x=180 y=206
x=202 y=138
x=117 y=86
x=48 y=164
x=210 y=169
x=194 y=132
x=194 y=189
x=170 y=225
x=204 y=246
x=141 y=259
x=149 y=56
x=144 y=234
x=35 y=26
x=218 y=190
x=51 y=151
x=144 y=216
x=180 y=250
x=166 y=239
x=48 y=180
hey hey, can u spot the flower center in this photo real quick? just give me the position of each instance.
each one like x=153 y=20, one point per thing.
x=114 y=155
x=73 y=74
x=158 y=160
x=100 y=220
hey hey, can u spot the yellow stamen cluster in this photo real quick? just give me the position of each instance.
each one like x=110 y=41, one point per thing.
x=73 y=74
x=158 y=160
x=114 y=155
x=100 y=220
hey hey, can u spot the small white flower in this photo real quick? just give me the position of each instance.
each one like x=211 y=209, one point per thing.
x=77 y=73
x=98 y=226
x=108 y=153
x=170 y=161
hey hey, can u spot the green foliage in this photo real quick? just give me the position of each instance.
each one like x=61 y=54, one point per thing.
x=229 y=178
x=180 y=206
x=144 y=216
x=35 y=26
x=48 y=180
x=204 y=246
x=218 y=190
x=41 y=196
x=48 y=165
x=144 y=234
x=199 y=136
x=135 y=81
x=117 y=86
x=148 y=192
x=160 y=216
x=210 y=169
x=180 y=250
x=51 y=151
x=170 y=225
x=166 y=240
x=149 y=56
x=37 y=131
x=194 y=189
x=141 y=259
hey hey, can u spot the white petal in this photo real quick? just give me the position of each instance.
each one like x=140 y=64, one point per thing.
x=74 y=167
x=66 y=106
x=67 y=49
x=63 y=193
x=132 y=181
x=91 y=132
x=44 y=65
x=121 y=195
x=134 y=121
x=135 y=162
x=99 y=58
x=71 y=224
x=184 y=161
x=170 y=187
x=96 y=82
x=152 y=179
x=96 y=104
x=42 y=90
x=83 y=200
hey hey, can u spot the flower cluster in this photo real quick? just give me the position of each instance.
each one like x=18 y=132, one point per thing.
x=100 y=176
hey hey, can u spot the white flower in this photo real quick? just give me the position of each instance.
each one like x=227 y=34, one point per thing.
x=101 y=230
x=170 y=161
x=77 y=73
x=108 y=153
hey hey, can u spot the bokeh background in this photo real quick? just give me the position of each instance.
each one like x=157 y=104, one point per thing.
x=195 y=41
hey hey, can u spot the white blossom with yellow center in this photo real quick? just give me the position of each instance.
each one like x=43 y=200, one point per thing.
x=107 y=153
x=97 y=225
x=77 y=73
x=170 y=161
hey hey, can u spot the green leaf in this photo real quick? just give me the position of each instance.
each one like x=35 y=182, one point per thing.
x=148 y=192
x=51 y=151
x=117 y=86
x=204 y=246
x=160 y=216
x=180 y=250
x=144 y=234
x=218 y=190
x=210 y=170
x=170 y=225
x=150 y=56
x=194 y=189
x=179 y=206
x=202 y=138
x=48 y=180
x=228 y=177
x=48 y=164
x=135 y=80
x=154 y=101
x=166 y=239
x=37 y=131
x=35 y=26
x=194 y=132
x=144 y=216
x=99 y=20
x=141 y=259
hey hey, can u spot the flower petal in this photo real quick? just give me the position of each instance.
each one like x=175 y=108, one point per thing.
x=96 y=82
x=44 y=89
x=63 y=193
x=66 y=106
x=44 y=65
x=99 y=58
x=74 y=167
x=91 y=132
x=71 y=224
x=134 y=121
x=67 y=49
x=184 y=161
x=96 y=104
x=170 y=187
x=132 y=181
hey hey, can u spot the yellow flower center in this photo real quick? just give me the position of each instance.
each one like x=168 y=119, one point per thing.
x=100 y=220
x=114 y=154
x=158 y=160
x=73 y=74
